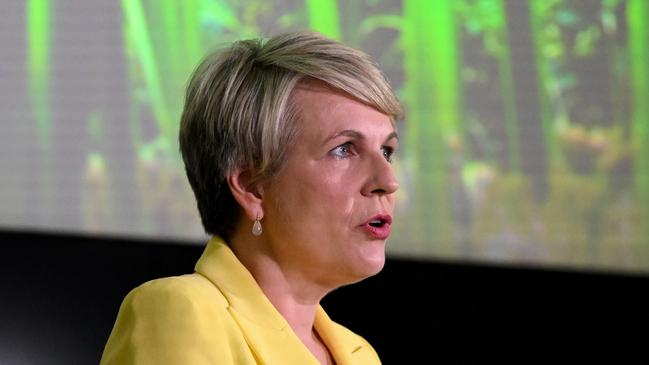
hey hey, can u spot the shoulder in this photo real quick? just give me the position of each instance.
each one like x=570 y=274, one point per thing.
x=159 y=318
x=179 y=305
x=182 y=292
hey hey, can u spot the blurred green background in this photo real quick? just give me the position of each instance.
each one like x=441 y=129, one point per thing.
x=526 y=139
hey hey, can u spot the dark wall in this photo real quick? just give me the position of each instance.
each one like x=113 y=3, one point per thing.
x=59 y=295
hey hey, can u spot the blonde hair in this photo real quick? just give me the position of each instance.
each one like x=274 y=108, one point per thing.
x=238 y=112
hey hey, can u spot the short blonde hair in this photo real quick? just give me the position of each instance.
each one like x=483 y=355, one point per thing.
x=238 y=112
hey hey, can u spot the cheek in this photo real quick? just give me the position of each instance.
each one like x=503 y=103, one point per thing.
x=343 y=201
x=335 y=190
x=317 y=194
x=326 y=196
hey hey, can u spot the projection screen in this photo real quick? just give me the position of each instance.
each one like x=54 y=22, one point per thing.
x=526 y=139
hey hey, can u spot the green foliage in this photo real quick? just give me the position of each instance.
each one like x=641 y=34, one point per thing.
x=586 y=41
x=217 y=16
x=638 y=13
x=374 y=22
x=323 y=17
x=38 y=35
x=485 y=18
x=442 y=170
x=506 y=210
x=432 y=95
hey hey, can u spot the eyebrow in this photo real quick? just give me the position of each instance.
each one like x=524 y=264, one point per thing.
x=358 y=135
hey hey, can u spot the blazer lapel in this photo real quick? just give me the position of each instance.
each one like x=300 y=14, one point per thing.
x=346 y=347
x=271 y=345
x=268 y=334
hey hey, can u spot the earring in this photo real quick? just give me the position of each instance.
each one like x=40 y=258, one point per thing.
x=256 y=227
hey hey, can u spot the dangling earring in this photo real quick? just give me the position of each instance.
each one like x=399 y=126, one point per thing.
x=256 y=227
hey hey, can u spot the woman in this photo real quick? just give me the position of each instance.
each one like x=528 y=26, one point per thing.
x=287 y=145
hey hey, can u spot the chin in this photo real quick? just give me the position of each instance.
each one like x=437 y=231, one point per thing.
x=363 y=272
x=373 y=270
x=371 y=261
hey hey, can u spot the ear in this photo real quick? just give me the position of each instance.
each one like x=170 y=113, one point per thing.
x=247 y=195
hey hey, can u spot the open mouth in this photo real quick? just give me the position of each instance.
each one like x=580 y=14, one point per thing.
x=378 y=227
x=377 y=223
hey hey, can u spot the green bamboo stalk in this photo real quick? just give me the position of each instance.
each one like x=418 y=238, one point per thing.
x=171 y=48
x=508 y=92
x=38 y=37
x=38 y=14
x=556 y=159
x=432 y=96
x=135 y=128
x=165 y=20
x=134 y=109
x=139 y=34
x=191 y=33
x=638 y=30
x=323 y=17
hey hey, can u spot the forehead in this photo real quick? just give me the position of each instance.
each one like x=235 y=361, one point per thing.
x=322 y=108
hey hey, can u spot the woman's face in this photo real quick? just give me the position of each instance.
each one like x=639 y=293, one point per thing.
x=327 y=214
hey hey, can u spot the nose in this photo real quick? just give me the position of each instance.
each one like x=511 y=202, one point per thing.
x=381 y=179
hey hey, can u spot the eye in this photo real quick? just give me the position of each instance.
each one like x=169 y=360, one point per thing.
x=344 y=150
x=388 y=153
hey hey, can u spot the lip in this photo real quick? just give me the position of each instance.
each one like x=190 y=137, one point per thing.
x=382 y=232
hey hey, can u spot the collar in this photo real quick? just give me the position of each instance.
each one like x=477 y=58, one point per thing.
x=266 y=331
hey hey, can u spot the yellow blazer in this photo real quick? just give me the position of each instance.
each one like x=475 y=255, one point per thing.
x=218 y=315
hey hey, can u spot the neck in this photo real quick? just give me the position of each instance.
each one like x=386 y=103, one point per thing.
x=291 y=292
